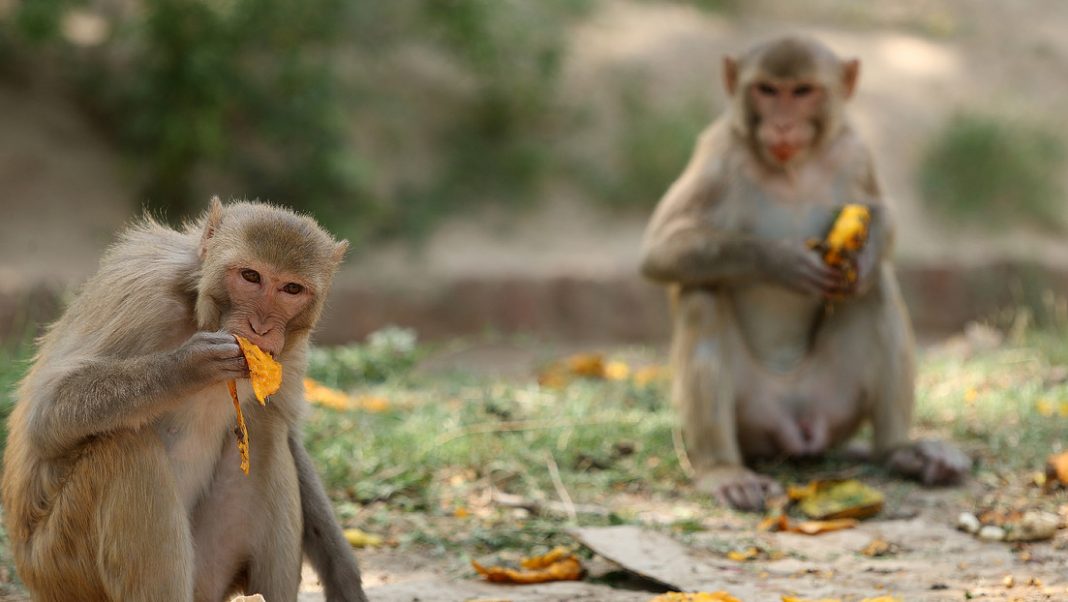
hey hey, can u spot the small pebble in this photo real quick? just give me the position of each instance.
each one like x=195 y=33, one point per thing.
x=992 y=533
x=968 y=523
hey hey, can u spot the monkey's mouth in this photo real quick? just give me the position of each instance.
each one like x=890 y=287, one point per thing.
x=782 y=151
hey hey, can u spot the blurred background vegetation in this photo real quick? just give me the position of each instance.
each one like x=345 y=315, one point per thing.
x=258 y=98
x=381 y=118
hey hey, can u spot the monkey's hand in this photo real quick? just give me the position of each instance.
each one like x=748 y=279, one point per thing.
x=867 y=271
x=738 y=487
x=930 y=462
x=210 y=357
x=802 y=269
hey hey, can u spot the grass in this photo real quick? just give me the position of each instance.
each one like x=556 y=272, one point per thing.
x=993 y=171
x=421 y=470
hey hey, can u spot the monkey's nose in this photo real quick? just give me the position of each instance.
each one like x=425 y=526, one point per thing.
x=262 y=330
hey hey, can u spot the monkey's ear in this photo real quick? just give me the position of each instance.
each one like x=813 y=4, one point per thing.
x=339 y=252
x=850 y=76
x=730 y=74
x=215 y=214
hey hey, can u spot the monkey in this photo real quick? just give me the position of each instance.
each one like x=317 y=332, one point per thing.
x=121 y=477
x=773 y=352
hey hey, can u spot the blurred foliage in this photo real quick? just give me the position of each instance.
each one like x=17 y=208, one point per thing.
x=651 y=148
x=993 y=171
x=389 y=353
x=249 y=98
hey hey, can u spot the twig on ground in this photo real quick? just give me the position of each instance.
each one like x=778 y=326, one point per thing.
x=521 y=425
x=561 y=491
x=509 y=500
x=680 y=452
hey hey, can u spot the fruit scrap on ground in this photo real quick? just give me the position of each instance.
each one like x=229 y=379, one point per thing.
x=563 y=372
x=1057 y=468
x=558 y=565
x=754 y=553
x=827 y=500
x=695 y=597
x=806 y=527
x=322 y=395
x=362 y=539
x=266 y=377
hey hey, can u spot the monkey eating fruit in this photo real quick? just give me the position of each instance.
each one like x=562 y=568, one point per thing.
x=120 y=480
x=759 y=367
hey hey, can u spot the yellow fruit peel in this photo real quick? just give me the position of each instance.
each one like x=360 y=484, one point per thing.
x=558 y=565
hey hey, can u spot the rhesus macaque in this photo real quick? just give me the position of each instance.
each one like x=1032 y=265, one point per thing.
x=121 y=475
x=775 y=353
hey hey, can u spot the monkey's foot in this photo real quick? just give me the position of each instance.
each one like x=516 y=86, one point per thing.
x=930 y=462
x=737 y=487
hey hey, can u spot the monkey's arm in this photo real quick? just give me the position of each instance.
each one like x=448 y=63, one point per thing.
x=104 y=394
x=680 y=247
x=323 y=541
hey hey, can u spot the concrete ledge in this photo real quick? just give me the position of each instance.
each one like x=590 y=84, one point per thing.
x=941 y=299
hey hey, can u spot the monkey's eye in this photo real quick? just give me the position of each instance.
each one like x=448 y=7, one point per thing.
x=766 y=89
x=803 y=90
x=293 y=288
x=251 y=275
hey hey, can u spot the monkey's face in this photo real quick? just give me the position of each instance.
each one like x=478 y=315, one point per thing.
x=263 y=303
x=786 y=118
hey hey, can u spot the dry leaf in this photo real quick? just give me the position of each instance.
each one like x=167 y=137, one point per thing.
x=825 y=500
x=878 y=547
x=264 y=372
x=361 y=539
x=695 y=597
x=590 y=365
x=558 y=565
x=322 y=395
x=750 y=553
x=241 y=430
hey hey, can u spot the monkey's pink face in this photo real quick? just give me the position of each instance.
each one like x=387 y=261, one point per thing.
x=263 y=301
x=789 y=116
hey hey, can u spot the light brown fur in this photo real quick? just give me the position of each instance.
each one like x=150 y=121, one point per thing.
x=763 y=363
x=121 y=479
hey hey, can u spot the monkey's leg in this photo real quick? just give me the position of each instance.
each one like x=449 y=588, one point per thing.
x=135 y=545
x=890 y=392
x=705 y=352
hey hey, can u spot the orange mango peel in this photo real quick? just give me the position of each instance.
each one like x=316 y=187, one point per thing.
x=266 y=377
x=558 y=565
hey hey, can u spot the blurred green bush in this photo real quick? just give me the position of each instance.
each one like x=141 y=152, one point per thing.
x=378 y=117
x=994 y=171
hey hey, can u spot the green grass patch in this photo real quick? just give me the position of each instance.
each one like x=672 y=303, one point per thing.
x=990 y=171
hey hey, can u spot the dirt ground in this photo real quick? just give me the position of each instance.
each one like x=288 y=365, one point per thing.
x=932 y=561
